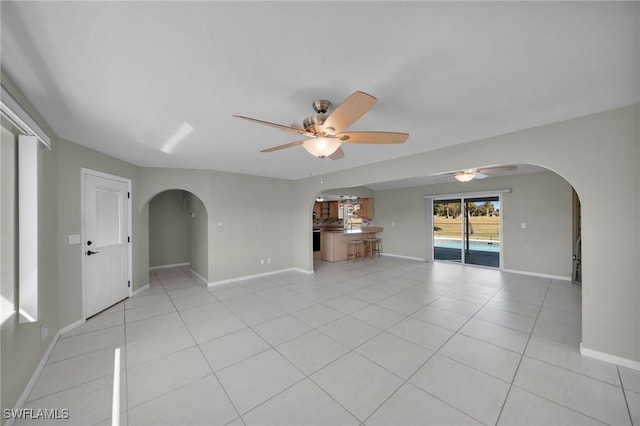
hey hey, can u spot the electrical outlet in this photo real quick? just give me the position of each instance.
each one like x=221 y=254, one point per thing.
x=268 y=260
x=262 y=261
x=44 y=332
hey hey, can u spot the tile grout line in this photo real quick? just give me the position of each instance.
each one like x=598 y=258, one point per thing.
x=557 y=403
x=68 y=359
x=205 y=359
x=271 y=347
x=624 y=394
x=305 y=376
x=179 y=387
x=434 y=353
x=523 y=355
x=84 y=353
x=405 y=316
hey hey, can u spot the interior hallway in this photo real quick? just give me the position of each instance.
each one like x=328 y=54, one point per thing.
x=380 y=341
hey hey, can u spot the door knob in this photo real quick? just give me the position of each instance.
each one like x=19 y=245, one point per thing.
x=89 y=252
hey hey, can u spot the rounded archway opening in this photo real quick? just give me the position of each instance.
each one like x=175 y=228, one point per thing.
x=540 y=232
x=178 y=232
x=541 y=225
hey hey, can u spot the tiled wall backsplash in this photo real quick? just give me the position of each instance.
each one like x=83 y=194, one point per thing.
x=318 y=223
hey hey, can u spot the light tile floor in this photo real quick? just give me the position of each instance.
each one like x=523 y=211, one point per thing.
x=378 y=342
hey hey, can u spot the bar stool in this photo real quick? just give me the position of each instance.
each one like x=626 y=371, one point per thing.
x=373 y=246
x=355 y=249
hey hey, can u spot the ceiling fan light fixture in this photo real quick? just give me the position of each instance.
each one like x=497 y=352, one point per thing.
x=321 y=147
x=465 y=176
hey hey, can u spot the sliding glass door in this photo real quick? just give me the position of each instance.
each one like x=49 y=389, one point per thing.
x=482 y=231
x=467 y=230
x=447 y=230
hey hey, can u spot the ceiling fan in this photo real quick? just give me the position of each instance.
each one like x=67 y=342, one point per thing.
x=470 y=174
x=326 y=133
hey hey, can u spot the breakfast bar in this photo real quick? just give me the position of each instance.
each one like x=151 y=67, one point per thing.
x=333 y=242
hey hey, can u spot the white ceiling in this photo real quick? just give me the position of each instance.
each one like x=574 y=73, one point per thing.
x=521 y=169
x=123 y=77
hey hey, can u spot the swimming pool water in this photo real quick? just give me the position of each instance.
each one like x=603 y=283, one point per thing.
x=478 y=245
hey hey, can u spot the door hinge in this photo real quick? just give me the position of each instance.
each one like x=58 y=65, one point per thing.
x=128 y=195
x=128 y=283
x=128 y=239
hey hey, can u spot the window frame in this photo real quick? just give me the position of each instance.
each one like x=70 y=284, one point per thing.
x=31 y=140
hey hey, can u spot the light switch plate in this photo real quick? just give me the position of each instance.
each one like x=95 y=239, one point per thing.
x=74 y=239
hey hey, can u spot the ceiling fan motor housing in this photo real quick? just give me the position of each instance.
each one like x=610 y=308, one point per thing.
x=314 y=124
x=321 y=106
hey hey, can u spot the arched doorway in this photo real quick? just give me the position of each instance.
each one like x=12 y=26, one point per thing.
x=539 y=228
x=178 y=232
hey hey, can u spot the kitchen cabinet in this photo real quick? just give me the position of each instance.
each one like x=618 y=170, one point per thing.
x=321 y=209
x=333 y=245
x=316 y=210
x=366 y=210
x=333 y=210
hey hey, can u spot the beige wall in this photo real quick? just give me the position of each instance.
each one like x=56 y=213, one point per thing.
x=249 y=217
x=175 y=236
x=544 y=203
x=199 y=237
x=541 y=200
x=598 y=155
x=71 y=159
x=169 y=229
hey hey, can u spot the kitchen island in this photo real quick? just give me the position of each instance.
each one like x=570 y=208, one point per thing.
x=333 y=243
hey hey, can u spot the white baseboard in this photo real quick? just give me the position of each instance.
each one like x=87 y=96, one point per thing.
x=36 y=374
x=169 y=266
x=613 y=359
x=404 y=257
x=263 y=274
x=200 y=277
x=304 y=271
x=138 y=290
x=536 y=274
x=65 y=330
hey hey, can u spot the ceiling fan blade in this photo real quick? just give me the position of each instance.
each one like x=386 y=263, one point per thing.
x=497 y=169
x=349 y=111
x=372 y=137
x=277 y=126
x=287 y=145
x=338 y=154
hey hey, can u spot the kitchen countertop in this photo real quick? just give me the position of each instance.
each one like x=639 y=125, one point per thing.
x=365 y=230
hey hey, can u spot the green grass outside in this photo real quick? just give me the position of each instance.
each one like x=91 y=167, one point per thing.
x=484 y=228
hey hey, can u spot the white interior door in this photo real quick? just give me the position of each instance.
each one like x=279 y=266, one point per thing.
x=106 y=251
